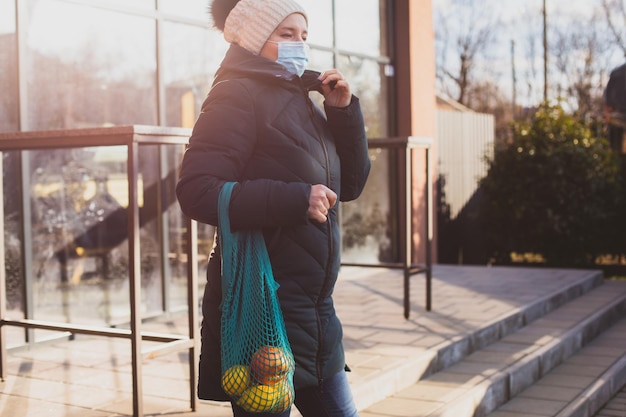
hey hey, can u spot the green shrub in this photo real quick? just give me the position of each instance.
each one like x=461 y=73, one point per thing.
x=556 y=191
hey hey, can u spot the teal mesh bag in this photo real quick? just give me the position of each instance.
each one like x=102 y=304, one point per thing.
x=257 y=362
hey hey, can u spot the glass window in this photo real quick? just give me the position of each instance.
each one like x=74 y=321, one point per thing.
x=190 y=55
x=197 y=9
x=320 y=14
x=126 y=4
x=369 y=83
x=367 y=223
x=14 y=291
x=79 y=77
x=79 y=233
x=8 y=68
x=358 y=28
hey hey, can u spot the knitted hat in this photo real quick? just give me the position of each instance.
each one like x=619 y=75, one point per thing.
x=250 y=23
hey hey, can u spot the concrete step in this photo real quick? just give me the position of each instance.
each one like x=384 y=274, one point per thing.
x=581 y=385
x=416 y=363
x=616 y=407
x=484 y=380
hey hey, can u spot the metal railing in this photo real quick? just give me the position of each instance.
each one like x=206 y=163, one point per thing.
x=403 y=163
x=133 y=138
x=405 y=148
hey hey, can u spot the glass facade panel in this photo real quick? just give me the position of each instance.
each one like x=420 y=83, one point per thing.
x=94 y=63
x=79 y=77
x=78 y=233
x=358 y=28
x=369 y=83
x=12 y=221
x=367 y=223
x=8 y=68
x=187 y=71
x=127 y=4
x=197 y=9
x=79 y=229
x=320 y=13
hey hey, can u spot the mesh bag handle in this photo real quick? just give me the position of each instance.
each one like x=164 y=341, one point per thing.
x=257 y=361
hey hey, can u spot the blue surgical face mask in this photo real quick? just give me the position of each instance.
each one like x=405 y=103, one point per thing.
x=294 y=56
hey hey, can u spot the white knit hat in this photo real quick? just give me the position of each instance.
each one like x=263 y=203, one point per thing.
x=251 y=22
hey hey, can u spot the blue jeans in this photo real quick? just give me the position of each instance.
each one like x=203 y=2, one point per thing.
x=331 y=399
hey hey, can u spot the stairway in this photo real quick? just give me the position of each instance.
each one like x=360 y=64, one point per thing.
x=564 y=356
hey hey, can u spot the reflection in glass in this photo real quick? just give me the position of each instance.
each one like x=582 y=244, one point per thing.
x=320 y=60
x=79 y=233
x=367 y=228
x=185 y=69
x=196 y=9
x=320 y=13
x=79 y=77
x=358 y=28
x=129 y=4
x=78 y=225
x=8 y=68
x=14 y=290
x=369 y=83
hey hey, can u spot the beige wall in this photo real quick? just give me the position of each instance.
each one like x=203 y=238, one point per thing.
x=422 y=114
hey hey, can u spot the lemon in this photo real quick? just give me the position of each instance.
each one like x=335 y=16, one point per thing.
x=259 y=398
x=285 y=396
x=236 y=380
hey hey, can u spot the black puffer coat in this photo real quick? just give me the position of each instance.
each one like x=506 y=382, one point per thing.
x=259 y=127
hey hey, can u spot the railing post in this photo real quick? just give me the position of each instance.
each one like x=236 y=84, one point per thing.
x=192 y=300
x=3 y=284
x=134 y=277
x=408 y=227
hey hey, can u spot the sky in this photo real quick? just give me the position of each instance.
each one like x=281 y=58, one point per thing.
x=520 y=21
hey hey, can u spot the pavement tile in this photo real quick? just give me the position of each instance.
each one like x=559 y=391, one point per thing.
x=91 y=377
x=511 y=414
x=578 y=370
x=538 y=407
x=14 y=406
x=405 y=407
x=567 y=381
x=544 y=391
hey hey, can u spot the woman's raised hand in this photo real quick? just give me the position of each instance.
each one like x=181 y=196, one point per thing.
x=337 y=94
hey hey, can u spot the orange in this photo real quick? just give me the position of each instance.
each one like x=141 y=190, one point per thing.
x=269 y=365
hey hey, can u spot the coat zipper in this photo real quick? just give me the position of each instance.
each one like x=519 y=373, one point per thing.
x=330 y=246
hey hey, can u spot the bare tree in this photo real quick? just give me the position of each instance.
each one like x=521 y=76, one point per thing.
x=580 y=55
x=468 y=29
x=615 y=12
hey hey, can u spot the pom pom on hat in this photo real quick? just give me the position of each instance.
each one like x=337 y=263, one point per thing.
x=249 y=23
x=220 y=10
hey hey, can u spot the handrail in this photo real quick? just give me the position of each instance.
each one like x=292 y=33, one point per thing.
x=135 y=136
x=132 y=137
x=406 y=145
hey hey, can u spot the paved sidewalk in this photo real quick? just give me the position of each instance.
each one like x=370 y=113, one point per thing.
x=90 y=376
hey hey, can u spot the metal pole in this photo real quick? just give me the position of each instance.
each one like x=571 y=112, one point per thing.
x=408 y=227
x=514 y=80
x=429 y=231
x=545 y=53
x=134 y=277
x=3 y=301
x=192 y=300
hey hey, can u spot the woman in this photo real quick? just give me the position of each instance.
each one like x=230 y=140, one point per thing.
x=292 y=163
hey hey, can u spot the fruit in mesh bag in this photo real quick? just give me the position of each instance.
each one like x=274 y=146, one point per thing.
x=236 y=380
x=269 y=365
x=285 y=396
x=259 y=398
